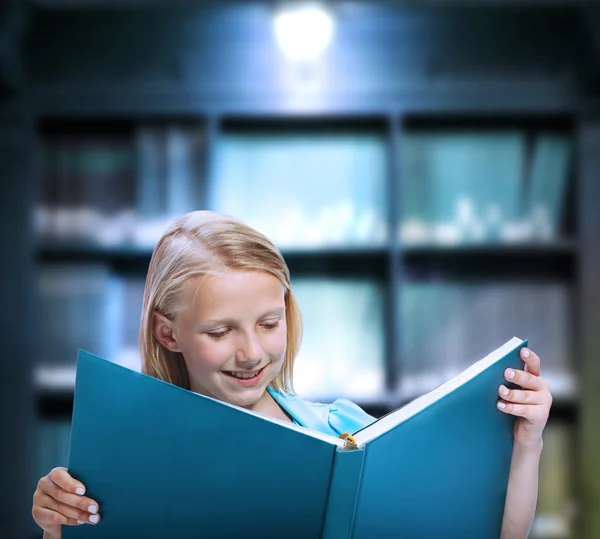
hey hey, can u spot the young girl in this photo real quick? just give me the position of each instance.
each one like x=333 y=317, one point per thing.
x=219 y=318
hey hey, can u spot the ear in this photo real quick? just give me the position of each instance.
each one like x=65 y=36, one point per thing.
x=162 y=328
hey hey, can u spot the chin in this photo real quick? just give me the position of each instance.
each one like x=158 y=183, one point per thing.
x=248 y=399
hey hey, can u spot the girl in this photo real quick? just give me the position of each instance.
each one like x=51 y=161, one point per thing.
x=219 y=318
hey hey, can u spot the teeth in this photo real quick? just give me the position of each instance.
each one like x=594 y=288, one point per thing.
x=244 y=374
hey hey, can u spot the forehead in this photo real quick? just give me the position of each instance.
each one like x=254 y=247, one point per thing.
x=234 y=289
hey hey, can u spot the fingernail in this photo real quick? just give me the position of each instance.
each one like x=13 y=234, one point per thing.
x=511 y=374
x=525 y=352
x=501 y=405
x=92 y=509
x=94 y=519
x=504 y=390
x=80 y=522
x=80 y=491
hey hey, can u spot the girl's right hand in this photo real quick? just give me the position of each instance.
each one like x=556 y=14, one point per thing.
x=58 y=500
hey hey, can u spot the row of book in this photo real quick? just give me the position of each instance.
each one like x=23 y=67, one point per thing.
x=470 y=187
x=443 y=327
x=307 y=189
x=447 y=324
x=85 y=306
x=87 y=189
x=556 y=503
x=114 y=190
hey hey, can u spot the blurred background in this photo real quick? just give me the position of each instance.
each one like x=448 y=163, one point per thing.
x=429 y=169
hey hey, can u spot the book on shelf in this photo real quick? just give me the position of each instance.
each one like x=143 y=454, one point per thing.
x=343 y=338
x=163 y=461
x=462 y=187
x=119 y=189
x=548 y=184
x=86 y=305
x=304 y=190
x=72 y=310
x=468 y=316
x=87 y=191
x=170 y=177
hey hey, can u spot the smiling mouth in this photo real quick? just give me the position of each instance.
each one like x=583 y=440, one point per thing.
x=244 y=375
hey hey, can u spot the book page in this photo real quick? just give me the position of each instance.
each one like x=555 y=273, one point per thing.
x=389 y=421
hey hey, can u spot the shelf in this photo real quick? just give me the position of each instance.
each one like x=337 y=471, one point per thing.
x=468 y=120
x=338 y=262
x=562 y=248
x=344 y=260
x=559 y=249
x=90 y=251
x=556 y=260
x=54 y=404
x=129 y=259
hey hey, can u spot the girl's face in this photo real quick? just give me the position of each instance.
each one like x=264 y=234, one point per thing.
x=232 y=334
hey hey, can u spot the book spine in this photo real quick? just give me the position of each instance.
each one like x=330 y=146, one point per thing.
x=343 y=493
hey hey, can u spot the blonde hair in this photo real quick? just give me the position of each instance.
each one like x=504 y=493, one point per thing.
x=198 y=244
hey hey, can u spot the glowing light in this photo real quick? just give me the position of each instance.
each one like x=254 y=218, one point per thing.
x=303 y=32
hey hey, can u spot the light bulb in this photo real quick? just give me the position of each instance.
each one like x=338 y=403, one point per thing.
x=303 y=32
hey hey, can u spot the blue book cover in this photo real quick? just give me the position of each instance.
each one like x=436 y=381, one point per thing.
x=439 y=466
x=165 y=462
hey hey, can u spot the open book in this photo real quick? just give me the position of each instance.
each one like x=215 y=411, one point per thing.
x=166 y=462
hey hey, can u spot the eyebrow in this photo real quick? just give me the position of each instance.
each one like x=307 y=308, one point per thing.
x=230 y=321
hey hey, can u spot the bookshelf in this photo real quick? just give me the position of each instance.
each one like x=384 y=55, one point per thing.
x=188 y=98
x=452 y=279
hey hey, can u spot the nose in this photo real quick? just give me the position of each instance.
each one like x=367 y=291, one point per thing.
x=250 y=351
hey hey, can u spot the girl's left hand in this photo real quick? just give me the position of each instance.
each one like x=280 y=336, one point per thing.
x=531 y=403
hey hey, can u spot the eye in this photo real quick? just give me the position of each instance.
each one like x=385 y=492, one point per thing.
x=271 y=325
x=219 y=334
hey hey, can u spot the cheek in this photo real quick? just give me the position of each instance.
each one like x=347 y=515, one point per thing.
x=275 y=343
x=204 y=353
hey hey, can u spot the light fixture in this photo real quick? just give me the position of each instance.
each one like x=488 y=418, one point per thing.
x=303 y=31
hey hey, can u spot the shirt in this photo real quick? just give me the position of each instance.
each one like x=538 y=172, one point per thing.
x=341 y=416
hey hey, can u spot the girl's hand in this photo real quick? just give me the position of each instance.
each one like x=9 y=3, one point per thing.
x=531 y=404
x=58 y=500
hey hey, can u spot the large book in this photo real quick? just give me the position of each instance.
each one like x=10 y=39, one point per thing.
x=166 y=462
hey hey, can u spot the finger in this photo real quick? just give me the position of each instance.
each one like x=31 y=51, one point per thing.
x=46 y=501
x=82 y=503
x=47 y=517
x=40 y=515
x=532 y=361
x=532 y=412
x=63 y=479
x=526 y=380
x=519 y=396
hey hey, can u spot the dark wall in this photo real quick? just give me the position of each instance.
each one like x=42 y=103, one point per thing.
x=16 y=324
x=16 y=277
x=383 y=56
